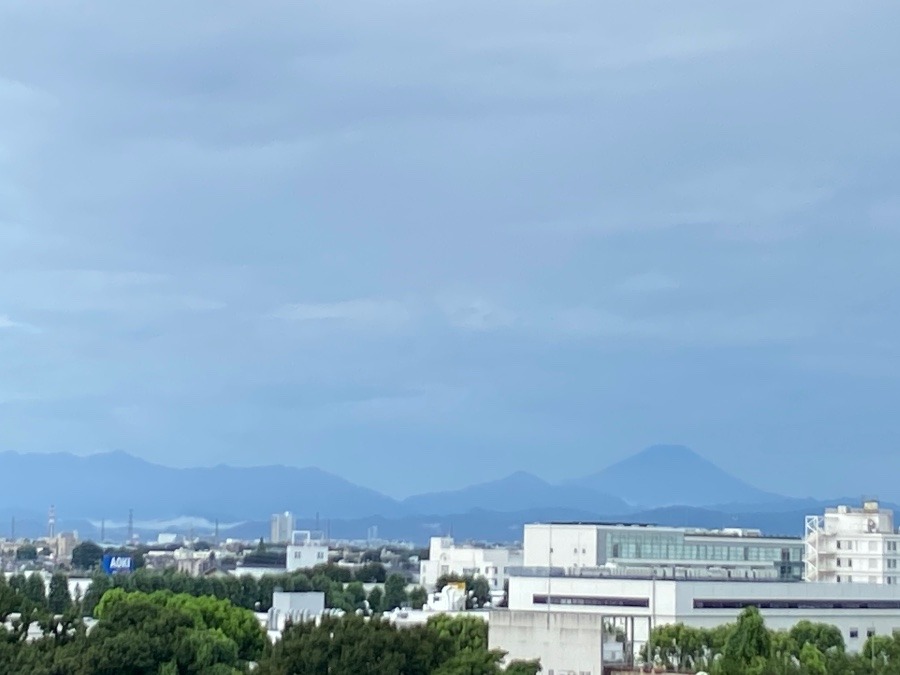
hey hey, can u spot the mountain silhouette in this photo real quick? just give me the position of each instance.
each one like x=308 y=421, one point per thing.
x=673 y=475
x=516 y=492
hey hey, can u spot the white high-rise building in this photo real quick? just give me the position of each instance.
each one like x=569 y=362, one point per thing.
x=852 y=545
x=447 y=557
x=281 y=528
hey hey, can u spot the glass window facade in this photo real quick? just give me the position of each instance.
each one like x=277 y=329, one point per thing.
x=627 y=545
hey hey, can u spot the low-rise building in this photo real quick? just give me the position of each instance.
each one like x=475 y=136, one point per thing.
x=447 y=557
x=306 y=550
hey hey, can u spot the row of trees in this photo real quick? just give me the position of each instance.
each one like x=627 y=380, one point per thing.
x=256 y=594
x=166 y=633
x=27 y=593
x=747 y=647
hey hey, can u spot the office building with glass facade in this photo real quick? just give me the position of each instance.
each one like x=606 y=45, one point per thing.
x=729 y=553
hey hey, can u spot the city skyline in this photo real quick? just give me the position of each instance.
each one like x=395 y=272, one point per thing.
x=412 y=240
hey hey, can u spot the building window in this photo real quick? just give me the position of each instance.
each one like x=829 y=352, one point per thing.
x=838 y=544
x=839 y=578
x=870 y=632
x=838 y=562
x=854 y=633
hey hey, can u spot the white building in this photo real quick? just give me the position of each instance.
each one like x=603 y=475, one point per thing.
x=447 y=557
x=858 y=610
x=306 y=550
x=852 y=545
x=730 y=552
x=282 y=526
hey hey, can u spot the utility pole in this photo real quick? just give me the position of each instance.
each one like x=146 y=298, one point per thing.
x=130 y=525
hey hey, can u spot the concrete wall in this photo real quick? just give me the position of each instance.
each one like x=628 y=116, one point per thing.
x=566 y=643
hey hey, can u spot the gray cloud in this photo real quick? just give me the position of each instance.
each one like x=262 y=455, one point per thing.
x=420 y=225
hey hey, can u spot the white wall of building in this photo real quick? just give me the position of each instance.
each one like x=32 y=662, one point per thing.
x=446 y=557
x=853 y=545
x=561 y=545
x=564 y=642
x=305 y=552
x=856 y=609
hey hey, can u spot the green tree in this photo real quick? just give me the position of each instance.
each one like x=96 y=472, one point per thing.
x=86 y=556
x=376 y=600
x=523 y=668
x=371 y=573
x=394 y=592
x=823 y=636
x=418 y=597
x=100 y=583
x=813 y=660
x=465 y=633
x=469 y=662
x=749 y=641
x=34 y=591
x=59 y=601
x=355 y=594
x=26 y=552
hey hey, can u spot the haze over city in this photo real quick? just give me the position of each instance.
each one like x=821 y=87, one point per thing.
x=422 y=245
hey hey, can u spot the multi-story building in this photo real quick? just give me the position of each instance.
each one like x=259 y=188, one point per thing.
x=306 y=550
x=580 y=582
x=447 y=557
x=282 y=526
x=728 y=553
x=852 y=545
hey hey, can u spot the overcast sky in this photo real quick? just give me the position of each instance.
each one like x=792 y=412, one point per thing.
x=423 y=243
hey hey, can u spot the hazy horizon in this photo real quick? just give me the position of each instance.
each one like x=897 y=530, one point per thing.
x=406 y=240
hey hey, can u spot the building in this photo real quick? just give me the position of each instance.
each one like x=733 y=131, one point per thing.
x=447 y=557
x=194 y=563
x=306 y=550
x=281 y=528
x=641 y=603
x=581 y=582
x=728 y=552
x=852 y=545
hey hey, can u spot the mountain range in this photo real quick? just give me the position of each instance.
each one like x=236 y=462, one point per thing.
x=668 y=485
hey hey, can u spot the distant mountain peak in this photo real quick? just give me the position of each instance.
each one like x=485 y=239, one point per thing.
x=665 y=451
x=673 y=475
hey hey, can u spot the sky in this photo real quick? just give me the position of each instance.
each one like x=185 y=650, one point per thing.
x=423 y=244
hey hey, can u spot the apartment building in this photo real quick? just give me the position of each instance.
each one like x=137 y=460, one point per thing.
x=852 y=545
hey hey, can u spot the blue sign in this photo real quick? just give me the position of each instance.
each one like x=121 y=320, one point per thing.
x=114 y=563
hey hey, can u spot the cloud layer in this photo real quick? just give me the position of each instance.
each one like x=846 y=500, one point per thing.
x=387 y=238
